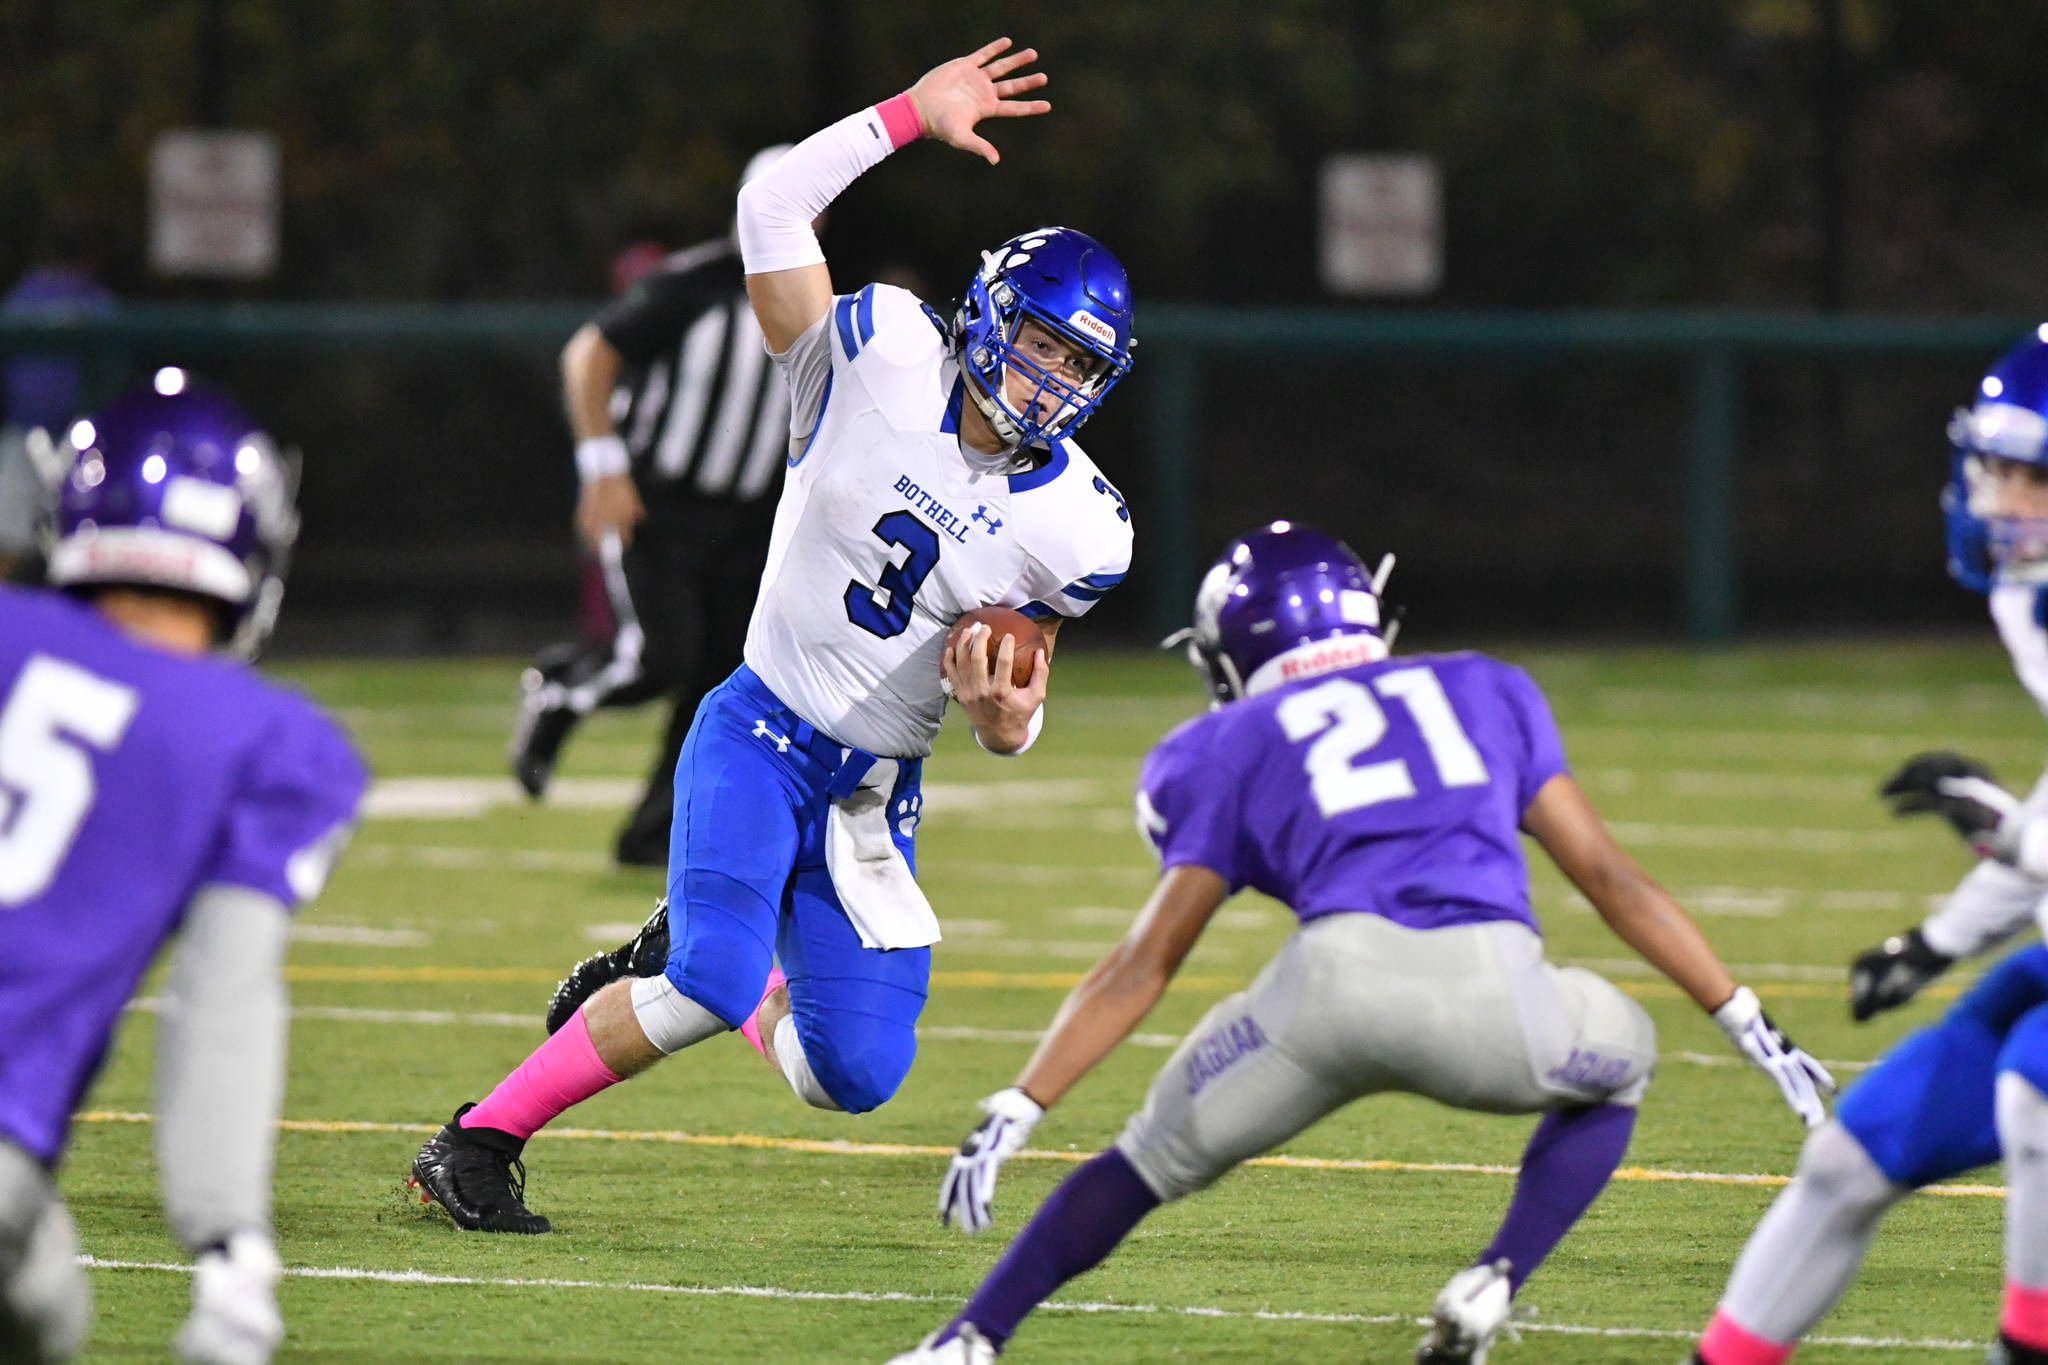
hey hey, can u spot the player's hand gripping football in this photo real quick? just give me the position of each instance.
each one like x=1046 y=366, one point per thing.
x=985 y=686
x=951 y=98
x=1800 y=1079
x=968 y=1193
x=1960 y=790
x=234 y=1318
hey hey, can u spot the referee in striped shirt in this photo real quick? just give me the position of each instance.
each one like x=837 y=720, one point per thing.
x=682 y=427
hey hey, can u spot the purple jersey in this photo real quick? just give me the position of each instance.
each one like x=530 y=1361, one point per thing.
x=1395 y=788
x=129 y=779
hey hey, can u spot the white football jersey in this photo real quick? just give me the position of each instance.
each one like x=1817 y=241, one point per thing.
x=2016 y=610
x=889 y=528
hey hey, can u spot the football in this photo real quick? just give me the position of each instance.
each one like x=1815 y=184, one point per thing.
x=1002 y=621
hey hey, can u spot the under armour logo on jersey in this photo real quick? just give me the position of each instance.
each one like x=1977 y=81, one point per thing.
x=781 y=741
x=981 y=514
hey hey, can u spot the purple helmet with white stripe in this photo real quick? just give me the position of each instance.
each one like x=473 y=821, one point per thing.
x=176 y=487
x=1284 y=602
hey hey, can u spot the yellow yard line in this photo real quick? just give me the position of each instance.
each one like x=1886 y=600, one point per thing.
x=840 y=1147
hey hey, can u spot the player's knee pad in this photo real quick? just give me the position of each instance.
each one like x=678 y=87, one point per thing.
x=45 y=1301
x=796 y=1066
x=859 y=1062
x=670 y=1019
x=1833 y=1165
x=1616 y=1044
x=719 y=956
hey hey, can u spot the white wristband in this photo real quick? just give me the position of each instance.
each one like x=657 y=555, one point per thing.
x=1031 y=731
x=601 y=457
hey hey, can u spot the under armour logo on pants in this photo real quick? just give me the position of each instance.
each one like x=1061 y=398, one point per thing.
x=781 y=741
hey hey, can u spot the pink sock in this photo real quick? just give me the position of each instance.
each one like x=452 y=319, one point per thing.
x=564 y=1070
x=1728 y=1343
x=2025 y=1318
x=751 y=1030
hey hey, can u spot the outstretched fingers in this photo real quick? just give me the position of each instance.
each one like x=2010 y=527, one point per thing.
x=1005 y=65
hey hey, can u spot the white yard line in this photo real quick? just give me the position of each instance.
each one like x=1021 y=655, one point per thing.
x=756 y=1291
x=935 y=1033
x=470 y=798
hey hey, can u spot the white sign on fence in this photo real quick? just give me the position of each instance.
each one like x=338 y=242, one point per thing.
x=213 y=203
x=1382 y=228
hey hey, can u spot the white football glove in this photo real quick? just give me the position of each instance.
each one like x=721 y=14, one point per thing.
x=234 y=1318
x=967 y=1194
x=1801 y=1079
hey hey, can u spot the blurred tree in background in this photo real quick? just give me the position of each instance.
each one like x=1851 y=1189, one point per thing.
x=1879 y=154
x=1623 y=152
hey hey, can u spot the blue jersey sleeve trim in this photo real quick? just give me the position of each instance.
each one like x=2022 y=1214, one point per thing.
x=1054 y=466
x=842 y=318
x=824 y=401
x=1038 y=611
x=864 y=315
x=951 y=424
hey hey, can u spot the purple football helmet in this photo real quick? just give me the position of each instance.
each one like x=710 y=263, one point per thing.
x=174 y=486
x=1069 y=284
x=1271 y=598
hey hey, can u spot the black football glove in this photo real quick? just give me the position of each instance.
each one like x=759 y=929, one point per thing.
x=1892 y=973
x=1960 y=790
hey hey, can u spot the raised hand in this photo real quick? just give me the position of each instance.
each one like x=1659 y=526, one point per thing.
x=951 y=98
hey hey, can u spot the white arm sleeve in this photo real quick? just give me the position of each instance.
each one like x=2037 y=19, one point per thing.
x=777 y=207
x=1991 y=904
x=220 y=1064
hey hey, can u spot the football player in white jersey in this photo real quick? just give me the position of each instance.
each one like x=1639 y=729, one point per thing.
x=1973 y=1087
x=931 y=471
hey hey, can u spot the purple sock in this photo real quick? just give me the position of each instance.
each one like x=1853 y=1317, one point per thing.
x=1567 y=1163
x=1091 y=1211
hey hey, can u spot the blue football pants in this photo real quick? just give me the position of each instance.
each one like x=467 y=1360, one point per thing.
x=1927 y=1110
x=748 y=885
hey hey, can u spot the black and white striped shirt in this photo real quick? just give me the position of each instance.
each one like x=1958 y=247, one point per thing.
x=703 y=413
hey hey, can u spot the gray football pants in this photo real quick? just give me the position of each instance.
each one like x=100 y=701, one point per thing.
x=45 y=1302
x=1356 y=1005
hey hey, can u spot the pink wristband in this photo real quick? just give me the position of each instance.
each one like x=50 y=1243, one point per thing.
x=900 y=121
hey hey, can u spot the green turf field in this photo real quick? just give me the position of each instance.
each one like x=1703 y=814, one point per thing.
x=705 y=1215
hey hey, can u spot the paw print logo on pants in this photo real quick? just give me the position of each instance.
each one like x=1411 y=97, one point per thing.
x=908 y=811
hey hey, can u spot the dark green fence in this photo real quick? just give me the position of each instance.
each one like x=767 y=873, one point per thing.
x=1183 y=348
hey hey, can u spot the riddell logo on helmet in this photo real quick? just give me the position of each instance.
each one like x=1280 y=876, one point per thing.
x=1336 y=654
x=1085 y=321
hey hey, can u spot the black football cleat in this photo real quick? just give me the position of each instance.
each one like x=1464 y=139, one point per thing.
x=544 y=719
x=477 y=1176
x=644 y=954
x=2006 y=1351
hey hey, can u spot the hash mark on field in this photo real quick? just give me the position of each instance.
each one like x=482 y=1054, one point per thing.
x=842 y=1147
x=757 y=1291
